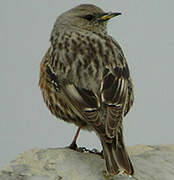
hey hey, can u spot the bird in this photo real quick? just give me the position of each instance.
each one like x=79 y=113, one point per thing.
x=85 y=80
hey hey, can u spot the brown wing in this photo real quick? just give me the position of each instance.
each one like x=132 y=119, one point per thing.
x=117 y=96
x=83 y=102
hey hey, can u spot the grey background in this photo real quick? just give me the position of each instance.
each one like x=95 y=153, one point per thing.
x=145 y=31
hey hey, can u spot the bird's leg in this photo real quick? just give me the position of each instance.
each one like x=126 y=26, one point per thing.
x=73 y=145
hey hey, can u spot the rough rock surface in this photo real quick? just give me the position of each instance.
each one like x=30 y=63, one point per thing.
x=150 y=162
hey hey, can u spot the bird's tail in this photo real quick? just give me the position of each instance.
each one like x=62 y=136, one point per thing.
x=115 y=155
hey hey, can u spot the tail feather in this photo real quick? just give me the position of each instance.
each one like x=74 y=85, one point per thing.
x=111 y=162
x=116 y=157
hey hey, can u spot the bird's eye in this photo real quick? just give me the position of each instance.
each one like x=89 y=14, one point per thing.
x=88 y=17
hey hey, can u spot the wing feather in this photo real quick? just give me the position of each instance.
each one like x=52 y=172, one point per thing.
x=83 y=102
x=115 y=94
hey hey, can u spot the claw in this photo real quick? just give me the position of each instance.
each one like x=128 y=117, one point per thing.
x=73 y=146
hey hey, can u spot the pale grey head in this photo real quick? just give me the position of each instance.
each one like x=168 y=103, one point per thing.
x=86 y=16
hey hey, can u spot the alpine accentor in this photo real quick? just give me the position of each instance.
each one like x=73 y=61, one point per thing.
x=85 y=80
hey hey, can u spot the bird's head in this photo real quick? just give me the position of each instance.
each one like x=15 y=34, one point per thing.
x=86 y=16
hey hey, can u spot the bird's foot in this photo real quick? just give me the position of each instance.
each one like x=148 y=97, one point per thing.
x=73 y=146
x=93 y=151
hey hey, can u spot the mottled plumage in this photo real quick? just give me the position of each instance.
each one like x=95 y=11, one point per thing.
x=85 y=80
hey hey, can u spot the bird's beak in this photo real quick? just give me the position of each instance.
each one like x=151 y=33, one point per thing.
x=107 y=16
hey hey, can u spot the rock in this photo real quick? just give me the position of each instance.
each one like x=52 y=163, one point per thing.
x=150 y=162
